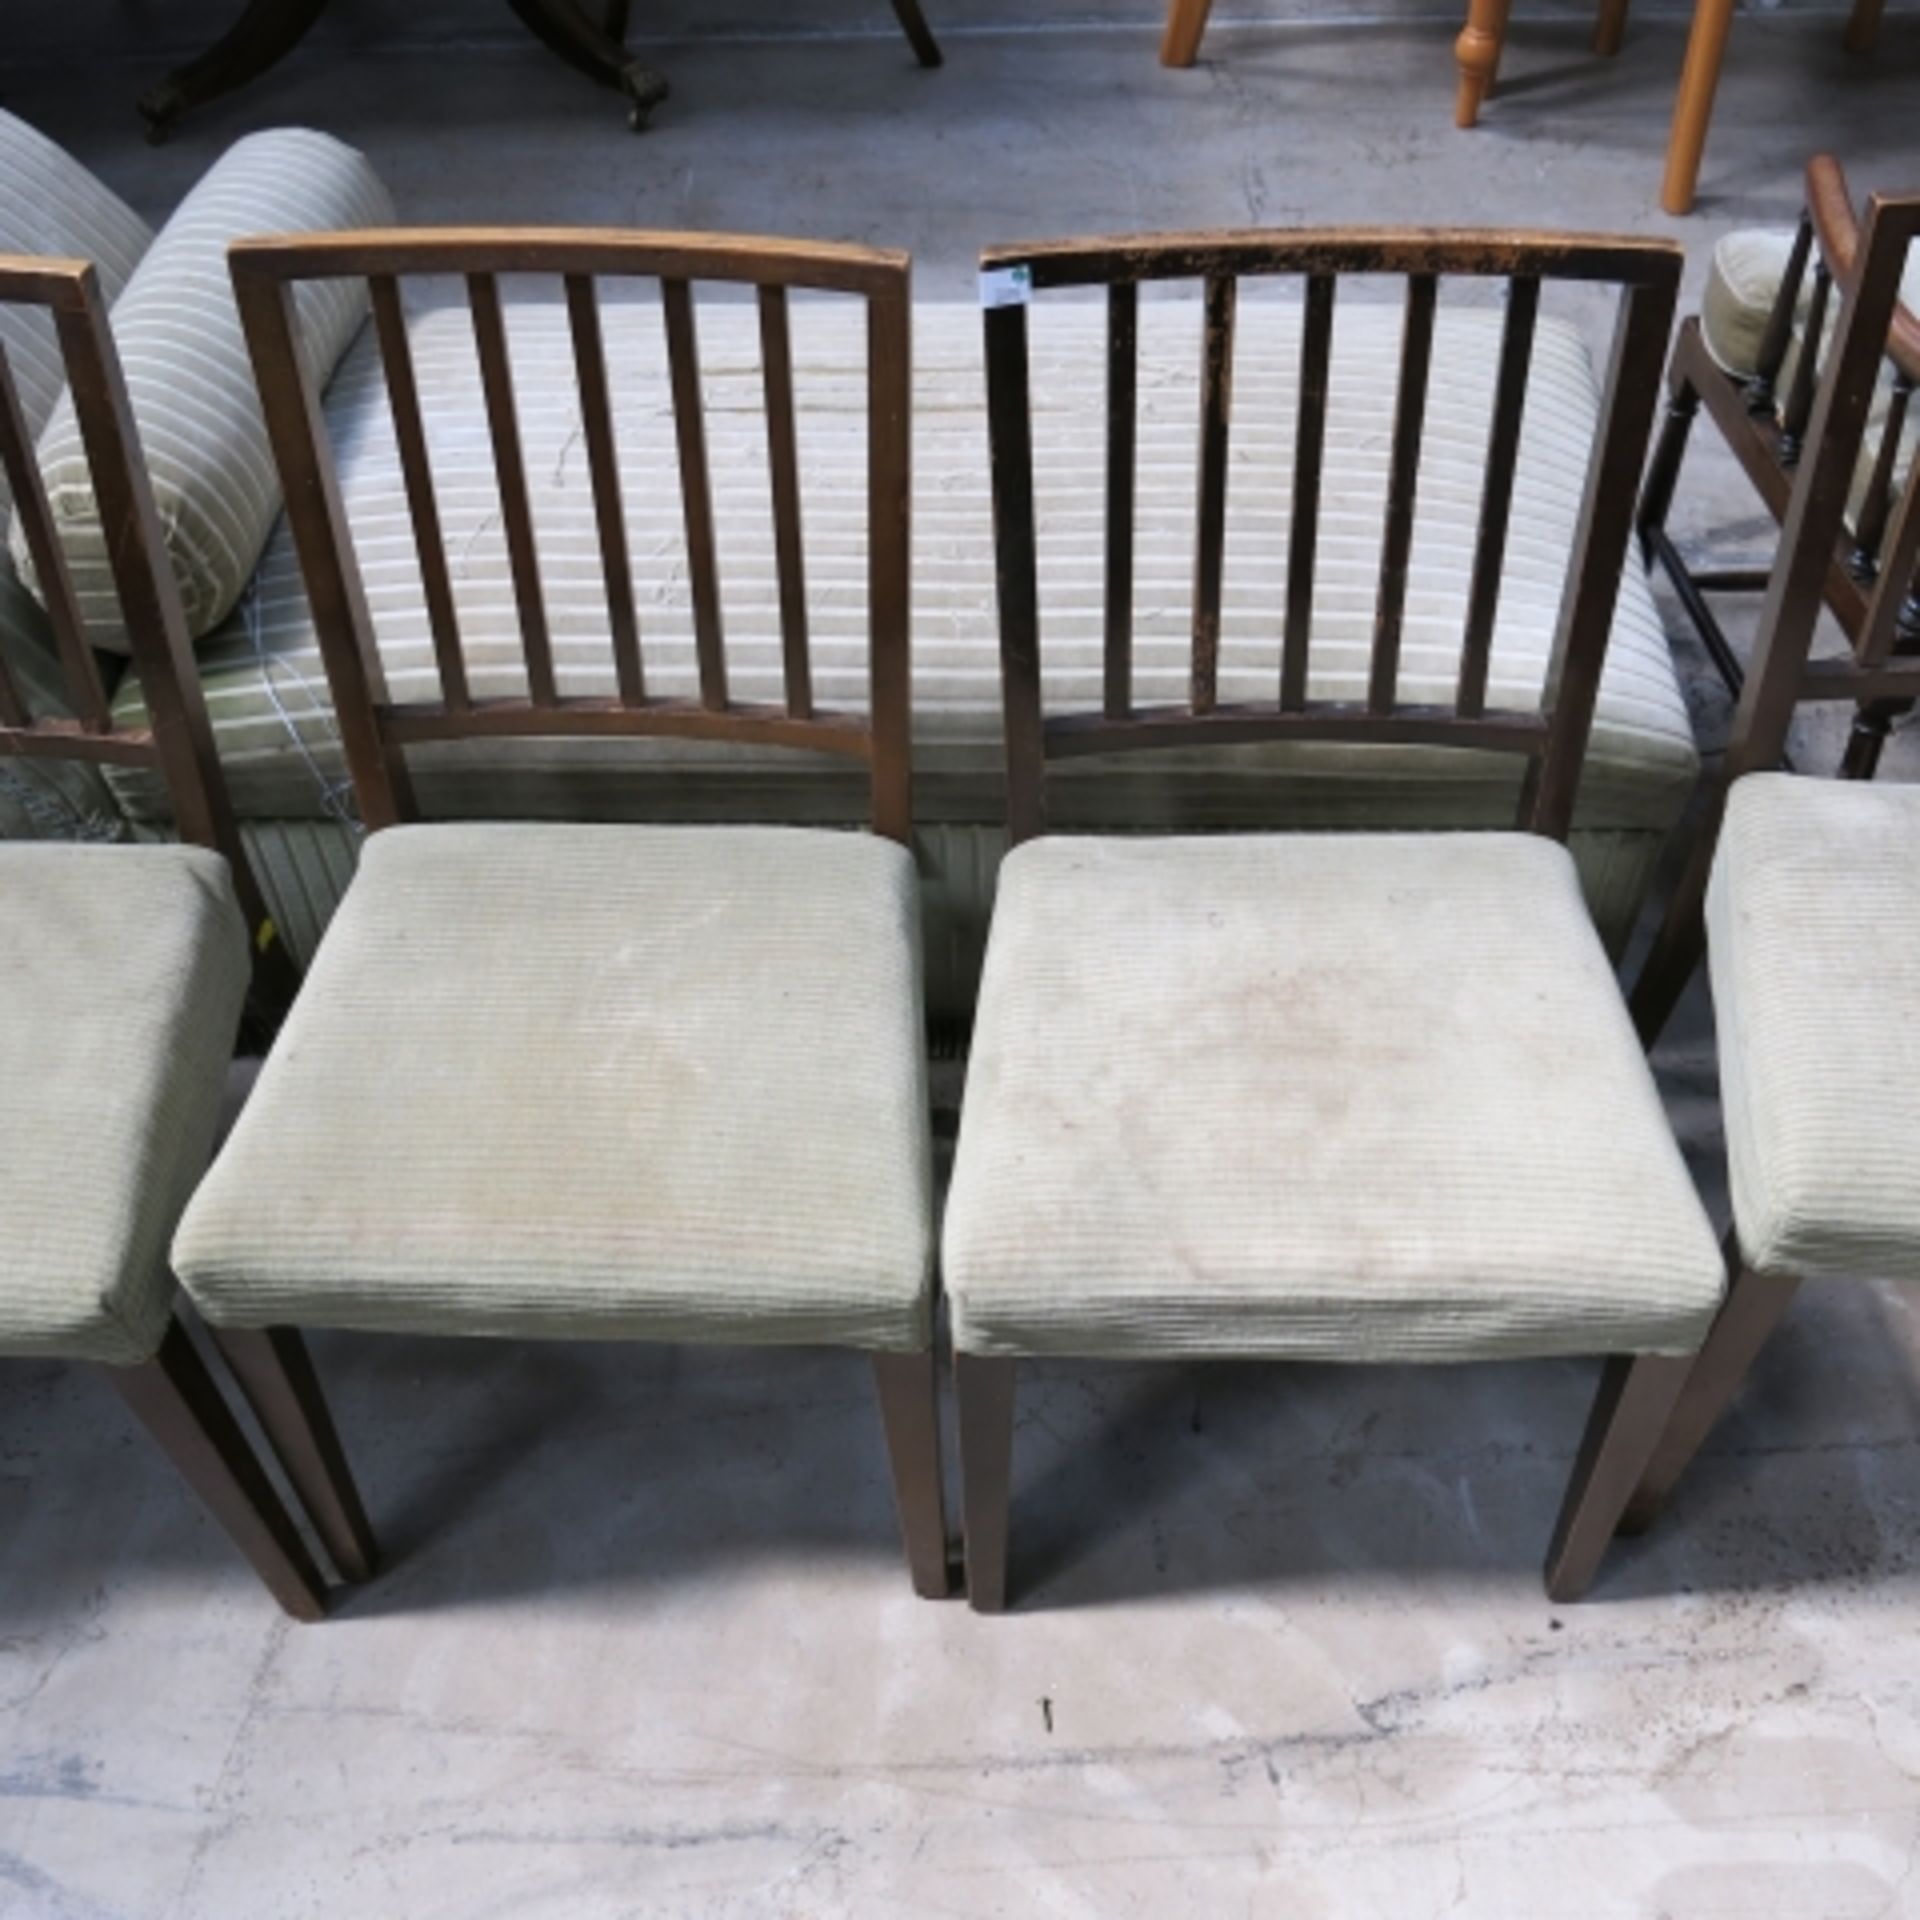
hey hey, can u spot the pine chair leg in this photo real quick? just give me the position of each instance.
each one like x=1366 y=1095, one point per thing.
x=1477 y=52
x=277 y=1377
x=1186 y=24
x=913 y=23
x=983 y=1391
x=1863 y=25
x=1610 y=27
x=1637 y=1395
x=908 y=1386
x=1693 y=109
x=1753 y=1308
x=175 y=1399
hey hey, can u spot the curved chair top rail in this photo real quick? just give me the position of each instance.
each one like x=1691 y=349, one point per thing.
x=178 y=740
x=1828 y=418
x=374 y=729
x=1553 y=739
x=1830 y=209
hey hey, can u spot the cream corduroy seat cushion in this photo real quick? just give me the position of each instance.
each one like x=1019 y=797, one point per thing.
x=596 y=1082
x=1813 y=944
x=1346 y=1097
x=122 y=972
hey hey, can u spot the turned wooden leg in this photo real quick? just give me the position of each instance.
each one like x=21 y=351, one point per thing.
x=913 y=23
x=1478 y=52
x=277 y=1377
x=983 y=1391
x=1186 y=22
x=1637 y=1394
x=908 y=1386
x=1693 y=110
x=1863 y=25
x=1753 y=1307
x=586 y=46
x=266 y=32
x=175 y=1399
x=1610 y=27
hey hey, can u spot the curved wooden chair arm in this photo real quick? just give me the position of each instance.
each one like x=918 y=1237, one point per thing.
x=1837 y=228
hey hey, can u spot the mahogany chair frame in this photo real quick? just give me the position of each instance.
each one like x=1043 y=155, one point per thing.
x=173 y=1394
x=1883 y=669
x=376 y=731
x=1637 y=1390
x=1800 y=451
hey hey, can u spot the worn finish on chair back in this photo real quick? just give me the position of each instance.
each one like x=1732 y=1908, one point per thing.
x=1553 y=739
x=177 y=739
x=374 y=729
x=1820 y=425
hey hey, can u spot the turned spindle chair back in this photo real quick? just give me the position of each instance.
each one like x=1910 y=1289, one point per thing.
x=1552 y=739
x=176 y=741
x=376 y=730
x=1867 y=573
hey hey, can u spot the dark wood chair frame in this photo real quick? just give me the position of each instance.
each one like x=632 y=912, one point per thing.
x=376 y=731
x=1637 y=1390
x=1867 y=576
x=1883 y=670
x=173 y=1393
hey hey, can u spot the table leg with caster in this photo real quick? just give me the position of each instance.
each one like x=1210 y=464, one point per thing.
x=589 y=49
x=266 y=32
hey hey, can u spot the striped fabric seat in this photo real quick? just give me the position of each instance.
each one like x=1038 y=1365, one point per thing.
x=113 y=1060
x=1813 y=941
x=1366 y=1098
x=190 y=380
x=267 y=688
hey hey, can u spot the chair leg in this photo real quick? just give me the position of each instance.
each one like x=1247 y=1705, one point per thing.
x=1693 y=110
x=277 y=1377
x=1863 y=25
x=1186 y=23
x=1682 y=937
x=1610 y=27
x=1752 y=1310
x=908 y=1387
x=1477 y=52
x=1663 y=470
x=913 y=23
x=175 y=1399
x=1637 y=1394
x=983 y=1391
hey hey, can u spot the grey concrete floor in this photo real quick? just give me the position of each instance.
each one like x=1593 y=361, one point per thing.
x=645 y=1645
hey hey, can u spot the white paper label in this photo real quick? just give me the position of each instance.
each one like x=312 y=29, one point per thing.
x=1006 y=286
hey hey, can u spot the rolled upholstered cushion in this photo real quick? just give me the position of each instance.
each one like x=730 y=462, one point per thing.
x=50 y=204
x=594 y=1082
x=125 y=968
x=1360 y=1097
x=1813 y=943
x=191 y=382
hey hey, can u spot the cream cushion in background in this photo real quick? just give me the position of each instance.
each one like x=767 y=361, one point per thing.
x=1328 y=1097
x=1813 y=941
x=191 y=382
x=125 y=969
x=594 y=1082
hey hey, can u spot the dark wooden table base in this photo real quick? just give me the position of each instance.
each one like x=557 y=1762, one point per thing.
x=268 y=30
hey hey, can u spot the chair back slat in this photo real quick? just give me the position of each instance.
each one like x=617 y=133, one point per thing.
x=1871 y=527
x=375 y=730
x=603 y=468
x=1209 y=554
x=1123 y=423
x=1496 y=498
x=416 y=470
x=783 y=467
x=510 y=473
x=1898 y=580
x=696 y=491
x=1779 y=334
x=1800 y=389
x=1552 y=740
x=1309 y=452
x=79 y=670
x=1403 y=474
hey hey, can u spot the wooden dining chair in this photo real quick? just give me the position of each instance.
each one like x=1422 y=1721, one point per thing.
x=617 y=1082
x=1809 y=914
x=1854 y=550
x=1327 y=1096
x=125 y=970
